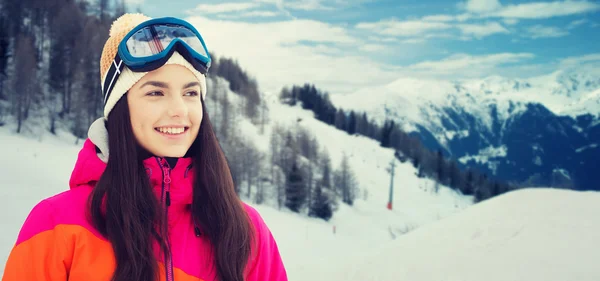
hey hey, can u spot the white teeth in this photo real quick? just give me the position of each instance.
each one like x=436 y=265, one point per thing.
x=171 y=131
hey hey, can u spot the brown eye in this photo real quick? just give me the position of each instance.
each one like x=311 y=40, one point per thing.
x=192 y=93
x=154 y=94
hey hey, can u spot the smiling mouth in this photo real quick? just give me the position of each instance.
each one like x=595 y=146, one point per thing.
x=171 y=131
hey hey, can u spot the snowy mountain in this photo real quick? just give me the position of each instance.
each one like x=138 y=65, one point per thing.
x=427 y=236
x=39 y=165
x=521 y=130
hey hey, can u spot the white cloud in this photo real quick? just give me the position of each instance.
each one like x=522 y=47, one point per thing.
x=372 y=47
x=414 y=41
x=434 y=26
x=418 y=30
x=374 y=38
x=449 y=18
x=225 y=7
x=510 y=21
x=279 y=5
x=439 y=35
x=580 y=60
x=325 y=49
x=307 y=5
x=576 y=23
x=533 y=10
x=481 y=6
x=260 y=14
x=443 y=18
x=249 y=14
x=277 y=55
x=464 y=17
x=467 y=64
x=482 y=30
x=542 y=10
x=540 y=31
x=394 y=27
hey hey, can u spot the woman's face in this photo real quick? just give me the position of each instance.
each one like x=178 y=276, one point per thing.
x=166 y=110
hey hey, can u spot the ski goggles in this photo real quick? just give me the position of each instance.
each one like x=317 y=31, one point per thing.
x=149 y=45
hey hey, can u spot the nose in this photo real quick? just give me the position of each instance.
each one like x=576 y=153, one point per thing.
x=177 y=106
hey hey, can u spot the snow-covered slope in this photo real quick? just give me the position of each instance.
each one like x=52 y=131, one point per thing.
x=523 y=235
x=418 y=100
x=525 y=119
x=537 y=232
x=530 y=234
x=38 y=167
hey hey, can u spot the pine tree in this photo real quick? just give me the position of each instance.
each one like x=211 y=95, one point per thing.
x=26 y=88
x=321 y=206
x=483 y=190
x=440 y=169
x=276 y=146
x=351 y=129
x=65 y=54
x=362 y=123
x=295 y=190
x=340 y=120
x=345 y=181
x=286 y=97
x=468 y=184
x=252 y=100
x=455 y=175
x=329 y=110
x=102 y=10
x=4 y=52
x=324 y=200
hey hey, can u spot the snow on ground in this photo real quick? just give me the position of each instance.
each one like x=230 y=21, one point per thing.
x=485 y=155
x=530 y=234
x=524 y=235
x=40 y=167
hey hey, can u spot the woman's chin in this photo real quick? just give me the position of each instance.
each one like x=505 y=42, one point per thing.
x=172 y=151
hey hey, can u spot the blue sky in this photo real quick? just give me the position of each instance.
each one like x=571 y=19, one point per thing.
x=345 y=45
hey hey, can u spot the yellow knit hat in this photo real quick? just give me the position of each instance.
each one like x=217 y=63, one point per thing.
x=119 y=28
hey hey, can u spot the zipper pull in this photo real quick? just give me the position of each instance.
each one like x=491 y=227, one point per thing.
x=166 y=175
x=168 y=199
x=197 y=230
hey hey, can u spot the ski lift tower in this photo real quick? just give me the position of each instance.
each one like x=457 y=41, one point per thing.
x=391 y=171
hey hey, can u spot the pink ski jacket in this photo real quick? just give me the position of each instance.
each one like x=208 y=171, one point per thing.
x=57 y=242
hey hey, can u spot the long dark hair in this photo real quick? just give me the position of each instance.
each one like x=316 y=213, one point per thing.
x=132 y=211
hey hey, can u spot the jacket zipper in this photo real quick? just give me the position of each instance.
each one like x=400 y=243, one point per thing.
x=167 y=203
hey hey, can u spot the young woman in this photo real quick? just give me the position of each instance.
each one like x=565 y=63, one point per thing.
x=151 y=195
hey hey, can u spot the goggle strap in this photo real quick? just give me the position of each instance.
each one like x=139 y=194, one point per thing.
x=113 y=72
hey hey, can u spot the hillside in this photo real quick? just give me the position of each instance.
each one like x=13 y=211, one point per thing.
x=529 y=234
x=40 y=164
x=527 y=131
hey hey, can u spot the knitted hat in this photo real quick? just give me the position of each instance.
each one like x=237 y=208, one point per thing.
x=120 y=27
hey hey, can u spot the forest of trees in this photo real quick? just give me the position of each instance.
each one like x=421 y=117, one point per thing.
x=49 y=61
x=296 y=173
x=431 y=164
x=49 y=78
